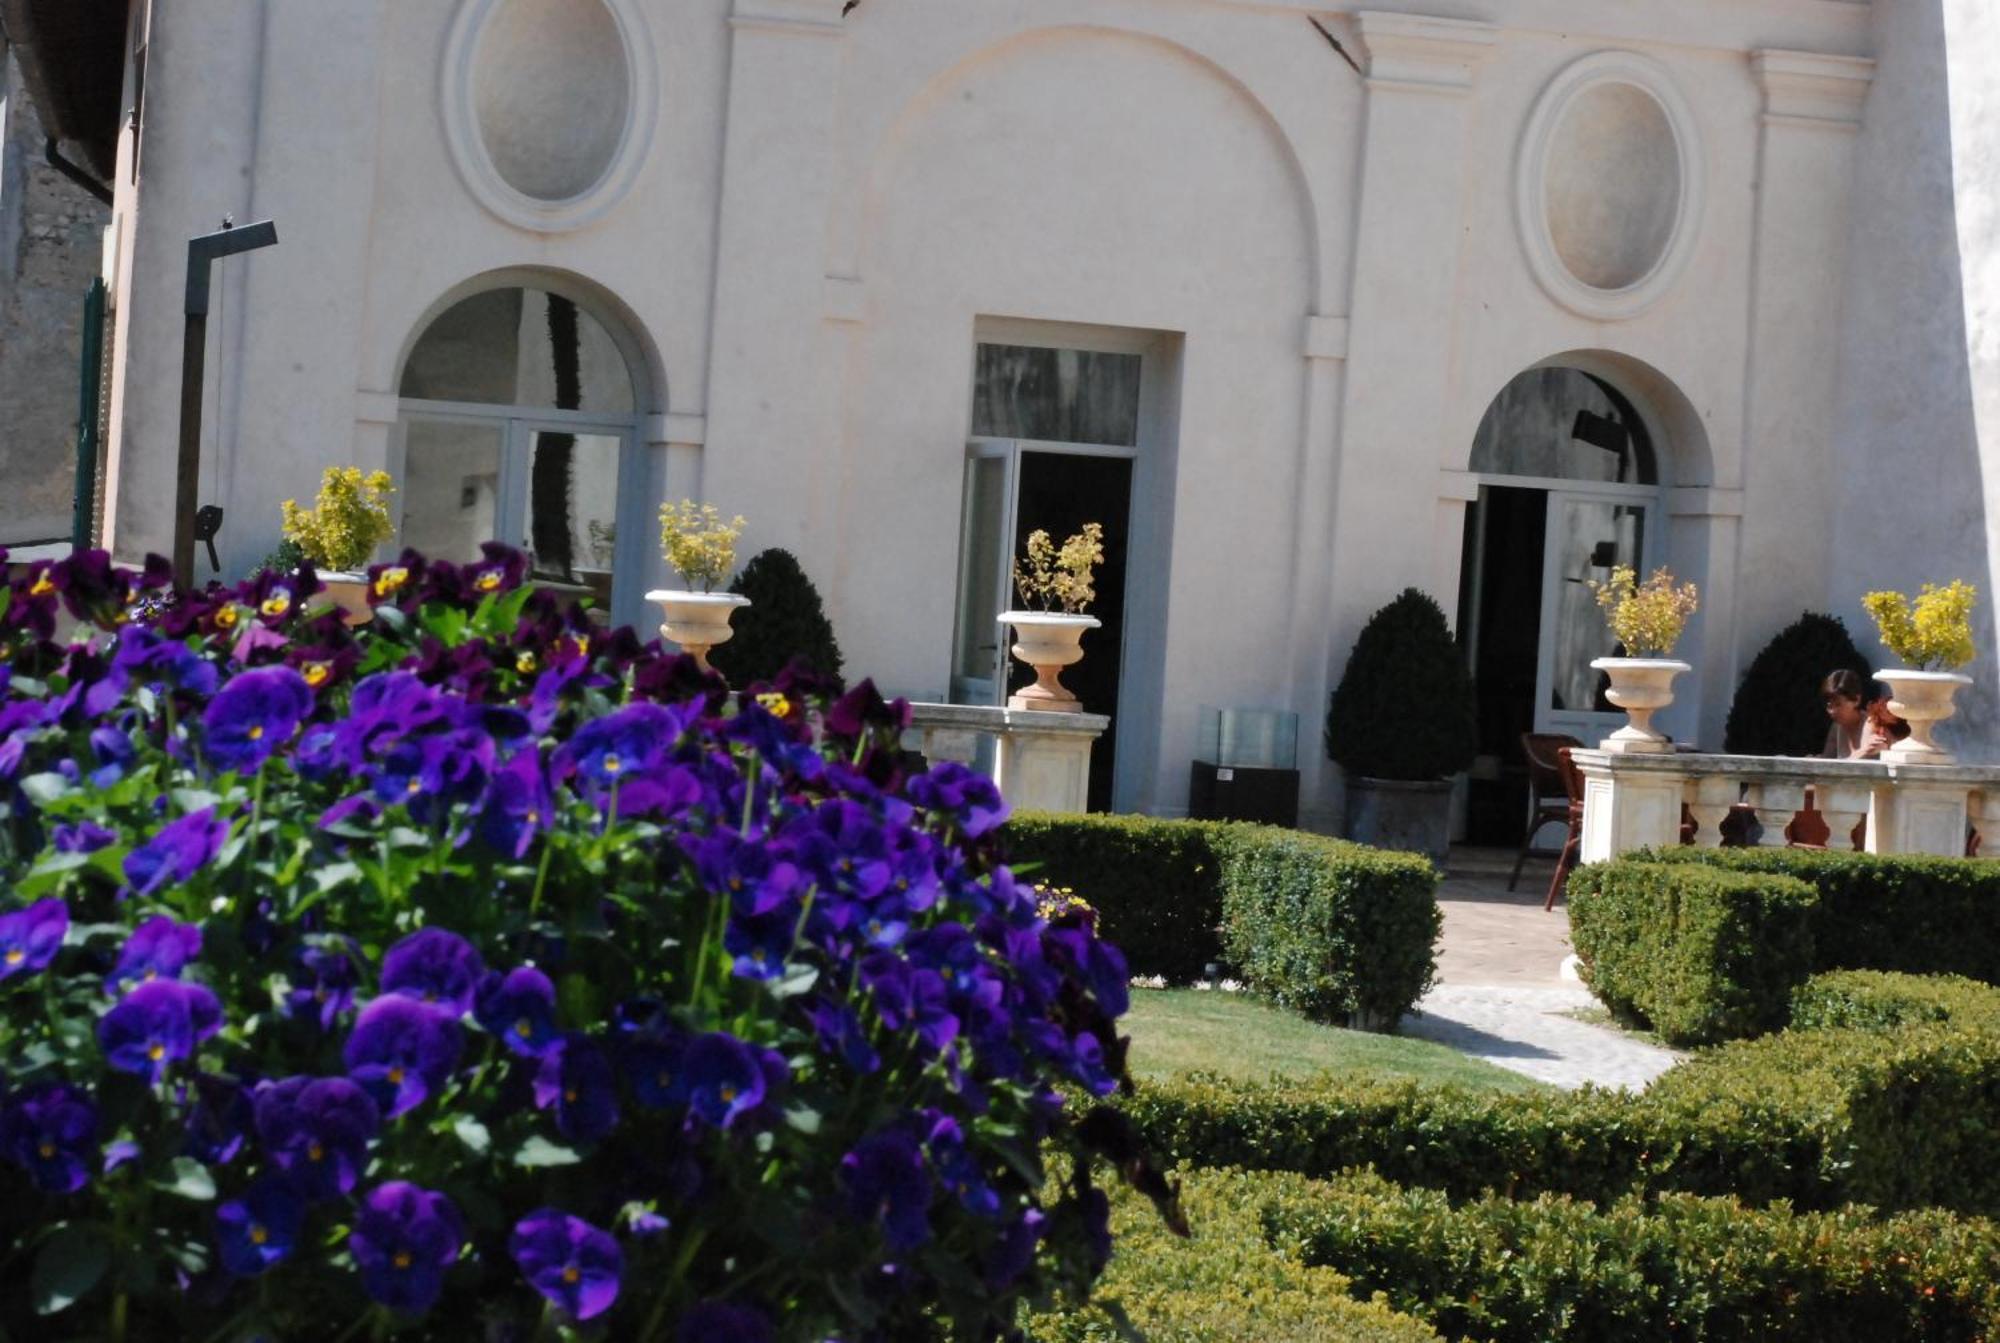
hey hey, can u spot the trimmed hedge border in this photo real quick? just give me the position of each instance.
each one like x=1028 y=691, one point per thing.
x=1700 y=954
x=1224 y=1285
x=1677 y=1267
x=1922 y=916
x=1339 y=932
x=1899 y=1118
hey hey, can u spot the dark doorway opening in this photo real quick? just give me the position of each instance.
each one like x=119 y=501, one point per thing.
x=1500 y=613
x=1059 y=493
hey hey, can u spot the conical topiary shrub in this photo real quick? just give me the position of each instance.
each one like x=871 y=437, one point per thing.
x=1778 y=710
x=1404 y=709
x=785 y=620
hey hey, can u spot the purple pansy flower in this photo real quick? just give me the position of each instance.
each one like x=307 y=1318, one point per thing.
x=157 y=1025
x=114 y=751
x=181 y=849
x=159 y=948
x=257 y=1232
x=402 y=1050
x=518 y=805
x=958 y=1171
x=316 y=1130
x=519 y=1010
x=656 y=1065
x=404 y=1239
x=30 y=938
x=886 y=1182
x=50 y=1131
x=219 y=1120
x=725 y=1079
x=253 y=715
x=436 y=967
x=576 y=1079
x=569 y=1261
x=964 y=795
x=81 y=837
x=605 y=751
x=1014 y=1253
x=323 y=988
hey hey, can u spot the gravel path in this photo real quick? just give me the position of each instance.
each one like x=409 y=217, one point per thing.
x=1525 y=1028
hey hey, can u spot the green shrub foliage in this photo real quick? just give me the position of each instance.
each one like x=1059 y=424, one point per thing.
x=786 y=620
x=1777 y=710
x=1337 y=931
x=1678 y=1267
x=1404 y=708
x=1878 y=1000
x=1700 y=954
x=1913 y=914
x=1901 y=1117
x=1225 y=1284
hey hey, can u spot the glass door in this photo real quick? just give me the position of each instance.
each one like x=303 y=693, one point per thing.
x=571 y=482
x=451 y=484
x=1587 y=536
x=985 y=572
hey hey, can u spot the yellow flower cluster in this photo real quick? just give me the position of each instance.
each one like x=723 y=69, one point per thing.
x=698 y=544
x=348 y=520
x=1932 y=634
x=1646 y=617
x=1053 y=901
x=1060 y=578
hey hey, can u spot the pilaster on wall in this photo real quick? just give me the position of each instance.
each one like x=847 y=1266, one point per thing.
x=771 y=380
x=1813 y=106
x=1421 y=72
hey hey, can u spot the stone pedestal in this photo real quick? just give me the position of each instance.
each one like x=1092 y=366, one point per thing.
x=1043 y=759
x=1628 y=811
x=1912 y=815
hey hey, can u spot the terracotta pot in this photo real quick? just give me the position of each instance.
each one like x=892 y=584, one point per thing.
x=348 y=591
x=1048 y=641
x=1923 y=700
x=1641 y=687
x=698 y=621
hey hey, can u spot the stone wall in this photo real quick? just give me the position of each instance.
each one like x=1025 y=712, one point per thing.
x=50 y=248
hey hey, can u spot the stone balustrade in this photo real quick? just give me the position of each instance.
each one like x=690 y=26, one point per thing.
x=1635 y=801
x=1041 y=761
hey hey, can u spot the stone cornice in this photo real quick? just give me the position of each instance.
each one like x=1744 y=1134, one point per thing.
x=1811 y=87
x=1419 y=51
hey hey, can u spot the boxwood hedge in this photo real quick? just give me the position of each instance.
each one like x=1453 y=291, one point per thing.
x=1675 y=1267
x=1337 y=931
x=1925 y=916
x=1224 y=1284
x=1902 y=1117
x=1700 y=954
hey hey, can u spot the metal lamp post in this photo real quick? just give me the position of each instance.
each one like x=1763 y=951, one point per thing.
x=203 y=253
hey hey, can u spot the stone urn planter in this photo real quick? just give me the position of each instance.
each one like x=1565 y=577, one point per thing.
x=348 y=591
x=1641 y=687
x=1923 y=699
x=1048 y=641
x=698 y=621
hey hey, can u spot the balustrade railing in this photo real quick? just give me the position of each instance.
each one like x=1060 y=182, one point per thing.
x=1634 y=801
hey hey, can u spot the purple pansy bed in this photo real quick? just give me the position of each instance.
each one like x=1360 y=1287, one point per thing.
x=483 y=974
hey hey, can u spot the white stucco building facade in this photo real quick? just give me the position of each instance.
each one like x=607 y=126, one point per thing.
x=1319 y=303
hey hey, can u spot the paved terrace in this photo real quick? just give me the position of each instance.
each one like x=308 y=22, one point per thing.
x=1501 y=993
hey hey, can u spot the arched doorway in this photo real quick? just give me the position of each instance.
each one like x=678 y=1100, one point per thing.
x=1569 y=488
x=518 y=422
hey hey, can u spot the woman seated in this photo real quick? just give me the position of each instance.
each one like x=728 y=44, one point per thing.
x=1862 y=726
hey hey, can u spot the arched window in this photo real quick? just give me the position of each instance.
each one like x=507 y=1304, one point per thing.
x=1564 y=424
x=518 y=421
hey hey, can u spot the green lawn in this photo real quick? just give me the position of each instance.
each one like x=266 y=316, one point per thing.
x=1190 y=1030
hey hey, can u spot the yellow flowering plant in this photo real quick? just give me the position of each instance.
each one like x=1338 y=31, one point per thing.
x=347 y=521
x=699 y=545
x=1647 y=618
x=1060 y=578
x=1933 y=633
